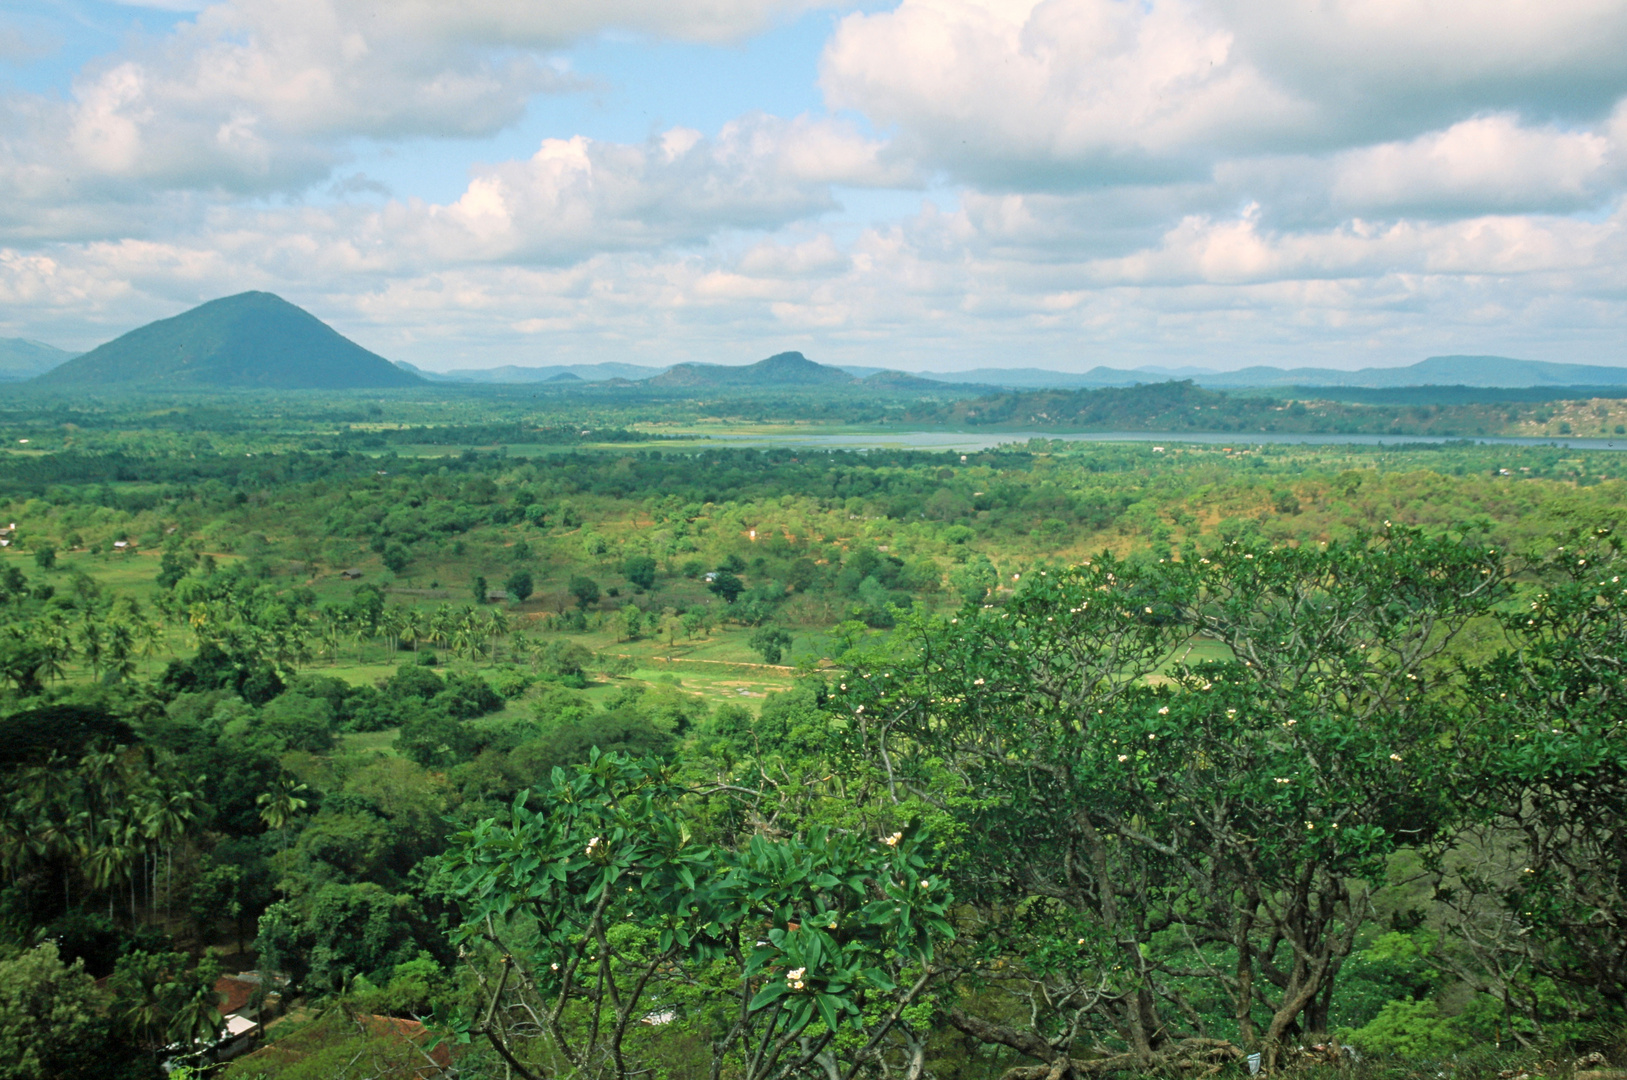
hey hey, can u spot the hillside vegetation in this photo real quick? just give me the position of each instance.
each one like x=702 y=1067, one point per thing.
x=614 y=756
x=253 y=339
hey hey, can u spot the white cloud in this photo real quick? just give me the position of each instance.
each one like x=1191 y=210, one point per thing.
x=1078 y=91
x=504 y=23
x=947 y=287
x=1486 y=163
x=261 y=96
x=1389 y=68
x=1161 y=181
x=576 y=197
x=1029 y=94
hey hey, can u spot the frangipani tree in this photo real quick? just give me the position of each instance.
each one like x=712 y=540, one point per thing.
x=1141 y=826
x=594 y=918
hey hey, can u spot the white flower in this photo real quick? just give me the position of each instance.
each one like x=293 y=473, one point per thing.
x=1124 y=757
x=1395 y=757
x=1164 y=711
x=1284 y=780
x=593 y=845
x=977 y=682
x=1151 y=737
x=892 y=841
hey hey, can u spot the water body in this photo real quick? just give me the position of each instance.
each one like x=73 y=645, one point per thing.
x=965 y=441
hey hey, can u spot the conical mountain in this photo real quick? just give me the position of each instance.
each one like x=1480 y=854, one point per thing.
x=253 y=340
x=781 y=369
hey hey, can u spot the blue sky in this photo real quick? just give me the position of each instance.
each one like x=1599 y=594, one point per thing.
x=923 y=184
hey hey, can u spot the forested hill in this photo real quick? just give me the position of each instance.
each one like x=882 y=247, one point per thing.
x=23 y=359
x=780 y=370
x=253 y=340
x=1185 y=406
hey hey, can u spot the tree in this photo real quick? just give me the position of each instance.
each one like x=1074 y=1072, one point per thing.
x=640 y=570
x=519 y=586
x=771 y=642
x=630 y=620
x=279 y=806
x=51 y=1019
x=45 y=556
x=1128 y=829
x=159 y=999
x=396 y=557
x=588 y=904
x=975 y=580
x=585 y=589
x=338 y=932
x=174 y=565
x=1540 y=894
x=477 y=588
x=726 y=585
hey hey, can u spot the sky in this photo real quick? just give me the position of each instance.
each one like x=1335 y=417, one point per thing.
x=921 y=184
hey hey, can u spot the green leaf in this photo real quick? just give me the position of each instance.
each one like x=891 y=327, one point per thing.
x=828 y=1009
x=801 y=1013
x=771 y=992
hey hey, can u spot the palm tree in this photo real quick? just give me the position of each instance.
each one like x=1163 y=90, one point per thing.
x=198 y=1020
x=56 y=647
x=167 y=813
x=498 y=624
x=108 y=857
x=465 y=632
x=441 y=626
x=328 y=633
x=413 y=625
x=121 y=650
x=149 y=634
x=393 y=623
x=279 y=805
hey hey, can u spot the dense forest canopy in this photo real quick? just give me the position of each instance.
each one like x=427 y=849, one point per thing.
x=590 y=748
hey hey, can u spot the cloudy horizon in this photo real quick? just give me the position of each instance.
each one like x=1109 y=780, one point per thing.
x=924 y=184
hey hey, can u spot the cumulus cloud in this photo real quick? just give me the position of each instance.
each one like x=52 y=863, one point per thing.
x=1113 y=182
x=1391 y=68
x=260 y=96
x=1031 y=94
x=1081 y=91
x=1485 y=163
x=577 y=197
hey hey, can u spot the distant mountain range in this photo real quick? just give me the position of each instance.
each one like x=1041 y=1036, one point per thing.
x=24 y=359
x=1484 y=371
x=549 y=373
x=251 y=340
x=256 y=339
x=1479 y=371
x=1475 y=371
